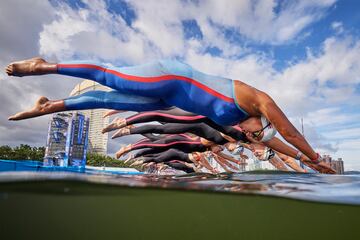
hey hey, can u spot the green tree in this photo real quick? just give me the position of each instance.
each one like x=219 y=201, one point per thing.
x=26 y=152
x=98 y=160
x=6 y=152
x=22 y=152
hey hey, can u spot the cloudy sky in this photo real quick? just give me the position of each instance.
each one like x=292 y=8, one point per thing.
x=305 y=54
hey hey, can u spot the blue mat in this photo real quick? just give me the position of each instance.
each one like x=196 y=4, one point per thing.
x=37 y=166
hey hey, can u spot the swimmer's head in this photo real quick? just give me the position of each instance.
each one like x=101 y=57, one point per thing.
x=217 y=148
x=251 y=124
x=268 y=130
x=234 y=148
x=261 y=129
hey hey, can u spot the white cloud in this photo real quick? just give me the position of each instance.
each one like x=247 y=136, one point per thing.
x=349 y=150
x=92 y=33
x=157 y=30
x=337 y=27
x=260 y=22
x=330 y=116
x=350 y=133
x=302 y=88
x=316 y=79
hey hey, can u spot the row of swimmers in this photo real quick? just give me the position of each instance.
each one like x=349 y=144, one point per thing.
x=221 y=103
x=190 y=144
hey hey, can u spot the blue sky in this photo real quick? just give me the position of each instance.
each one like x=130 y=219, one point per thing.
x=305 y=54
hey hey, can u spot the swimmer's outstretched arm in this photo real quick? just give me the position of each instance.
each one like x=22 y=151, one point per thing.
x=278 y=164
x=228 y=158
x=223 y=164
x=279 y=146
x=290 y=162
x=228 y=167
x=202 y=161
x=273 y=113
x=257 y=103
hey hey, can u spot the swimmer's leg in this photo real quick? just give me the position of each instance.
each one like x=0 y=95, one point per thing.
x=180 y=166
x=174 y=115
x=91 y=100
x=185 y=146
x=113 y=100
x=171 y=154
x=150 y=117
x=176 y=83
x=32 y=66
x=42 y=106
x=199 y=129
x=160 y=144
x=142 y=80
x=147 y=151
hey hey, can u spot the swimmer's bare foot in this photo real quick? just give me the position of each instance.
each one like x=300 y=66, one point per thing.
x=136 y=163
x=130 y=157
x=42 y=106
x=148 y=165
x=192 y=166
x=115 y=124
x=122 y=132
x=112 y=112
x=123 y=150
x=32 y=66
x=162 y=167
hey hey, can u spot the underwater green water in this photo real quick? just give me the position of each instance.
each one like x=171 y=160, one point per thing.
x=67 y=209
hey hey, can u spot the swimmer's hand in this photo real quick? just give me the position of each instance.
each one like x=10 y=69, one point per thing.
x=243 y=156
x=259 y=154
x=321 y=167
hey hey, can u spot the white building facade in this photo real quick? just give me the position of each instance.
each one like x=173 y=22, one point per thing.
x=97 y=140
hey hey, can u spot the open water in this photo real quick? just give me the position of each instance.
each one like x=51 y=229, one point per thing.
x=252 y=205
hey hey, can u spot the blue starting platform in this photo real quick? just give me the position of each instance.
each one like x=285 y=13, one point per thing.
x=37 y=166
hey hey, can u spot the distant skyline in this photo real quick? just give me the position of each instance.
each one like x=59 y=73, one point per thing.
x=305 y=54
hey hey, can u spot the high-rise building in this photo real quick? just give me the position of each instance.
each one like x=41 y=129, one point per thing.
x=67 y=140
x=97 y=140
x=337 y=165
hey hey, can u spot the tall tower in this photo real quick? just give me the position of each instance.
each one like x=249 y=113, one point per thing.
x=67 y=140
x=97 y=140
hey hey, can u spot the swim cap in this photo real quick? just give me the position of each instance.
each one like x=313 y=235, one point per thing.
x=269 y=130
x=268 y=154
x=238 y=150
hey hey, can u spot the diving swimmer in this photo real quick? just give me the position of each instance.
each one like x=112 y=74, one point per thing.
x=163 y=84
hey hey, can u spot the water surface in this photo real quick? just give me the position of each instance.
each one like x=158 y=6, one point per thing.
x=255 y=205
